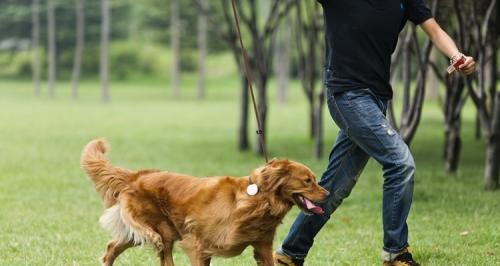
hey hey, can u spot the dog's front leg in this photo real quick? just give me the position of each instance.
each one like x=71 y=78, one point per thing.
x=263 y=253
x=197 y=258
x=166 y=255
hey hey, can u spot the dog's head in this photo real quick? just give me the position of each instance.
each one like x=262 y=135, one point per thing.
x=292 y=182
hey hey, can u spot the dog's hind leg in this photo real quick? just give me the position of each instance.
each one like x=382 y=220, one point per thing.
x=263 y=253
x=113 y=250
x=166 y=255
x=169 y=235
x=140 y=230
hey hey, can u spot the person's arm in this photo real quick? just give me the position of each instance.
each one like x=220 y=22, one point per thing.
x=446 y=45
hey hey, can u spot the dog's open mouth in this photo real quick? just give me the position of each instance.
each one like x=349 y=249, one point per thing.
x=306 y=205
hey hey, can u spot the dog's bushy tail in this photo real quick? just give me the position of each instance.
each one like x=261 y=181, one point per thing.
x=109 y=181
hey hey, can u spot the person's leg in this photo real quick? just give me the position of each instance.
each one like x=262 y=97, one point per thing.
x=346 y=161
x=363 y=114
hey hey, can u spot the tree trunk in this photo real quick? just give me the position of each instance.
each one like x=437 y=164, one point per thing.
x=432 y=82
x=492 y=75
x=262 y=109
x=477 y=131
x=104 y=67
x=312 y=116
x=51 y=43
x=453 y=104
x=492 y=170
x=406 y=73
x=453 y=145
x=175 y=46
x=134 y=23
x=35 y=42
x=493 y=66
x=283 y=61
x=391 y=114
x=80 y=35
x=411 y=117
x=318 y=128
x=202 y=51
x=311 y=78
x=492 y=165
x=243 y=128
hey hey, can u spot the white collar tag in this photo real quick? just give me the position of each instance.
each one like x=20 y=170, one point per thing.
x=252 y=189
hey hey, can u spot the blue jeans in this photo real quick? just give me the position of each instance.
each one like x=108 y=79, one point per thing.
x=364 y=132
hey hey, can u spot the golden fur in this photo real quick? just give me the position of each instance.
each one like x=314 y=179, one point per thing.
x=209 y=216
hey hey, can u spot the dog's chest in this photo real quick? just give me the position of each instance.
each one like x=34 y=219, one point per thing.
x=247 y=233
x=230 y=240
x=258 y=228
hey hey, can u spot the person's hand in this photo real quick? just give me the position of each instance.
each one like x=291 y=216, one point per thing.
x=468 y=67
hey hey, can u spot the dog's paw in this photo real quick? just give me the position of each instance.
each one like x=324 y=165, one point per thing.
x=104 y=261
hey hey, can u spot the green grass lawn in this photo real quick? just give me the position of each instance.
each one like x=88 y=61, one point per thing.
x=49 y=211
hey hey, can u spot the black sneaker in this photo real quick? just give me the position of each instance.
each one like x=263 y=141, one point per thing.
x=282 y=259
x=403 y=259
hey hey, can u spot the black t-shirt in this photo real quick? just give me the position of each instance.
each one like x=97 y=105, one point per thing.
x=360 y=37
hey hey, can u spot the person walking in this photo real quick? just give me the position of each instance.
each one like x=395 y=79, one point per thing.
x=360 y=37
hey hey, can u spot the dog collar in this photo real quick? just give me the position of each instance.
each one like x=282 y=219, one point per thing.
x=252 y=188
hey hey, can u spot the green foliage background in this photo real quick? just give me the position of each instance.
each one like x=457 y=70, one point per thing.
x=139 y=35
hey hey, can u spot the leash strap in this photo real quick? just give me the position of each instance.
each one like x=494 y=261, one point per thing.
x=248 y=75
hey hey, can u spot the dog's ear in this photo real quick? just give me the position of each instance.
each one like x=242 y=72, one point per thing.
x=274 y=171
x=278 y=163
x=272 y=161
x=277 y=167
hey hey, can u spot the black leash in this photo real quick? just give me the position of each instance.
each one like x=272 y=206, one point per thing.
x=248 y=75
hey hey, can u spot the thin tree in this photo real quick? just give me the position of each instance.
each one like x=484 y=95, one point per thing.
x=223 y=28
x=282 y=61
x=455 y=91
x=486 y=99
x=396 y=75
x=260 y=49
x=80 y=39
x=51 y=44
x=35 y=37
x=104 y=57
x=410 y=50
x=202 y=51
x=413 y=102
x=310 y=51
x=432 y=83
x=134 y=21
x=175 y=47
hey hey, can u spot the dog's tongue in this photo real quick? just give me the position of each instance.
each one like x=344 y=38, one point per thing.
x=311 y=207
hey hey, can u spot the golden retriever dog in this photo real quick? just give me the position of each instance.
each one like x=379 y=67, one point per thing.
x=213 y=216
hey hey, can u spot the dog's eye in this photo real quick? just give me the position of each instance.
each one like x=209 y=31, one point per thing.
x=308 y=180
